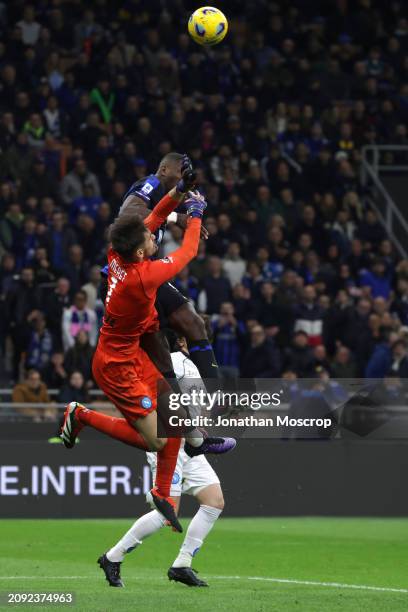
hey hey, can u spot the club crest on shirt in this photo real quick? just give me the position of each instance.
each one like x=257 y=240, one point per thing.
x=167 y=260
x=176 y=478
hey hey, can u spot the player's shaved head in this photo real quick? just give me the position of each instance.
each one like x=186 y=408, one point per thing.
x=171 y=158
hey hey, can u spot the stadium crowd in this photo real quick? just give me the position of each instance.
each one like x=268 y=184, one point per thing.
x=297 y=274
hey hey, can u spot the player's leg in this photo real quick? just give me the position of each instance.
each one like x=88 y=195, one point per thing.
x=144 y=527
x=157 y=347
x=200 y=481
x=166 y=457
x=183 y=318
x=187 y=322
x=76 y=416
x=140 y=432
x=136 y=400
x=141 y=529
x=211 y=502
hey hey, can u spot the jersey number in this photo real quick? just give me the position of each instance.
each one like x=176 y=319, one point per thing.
x=112 y=285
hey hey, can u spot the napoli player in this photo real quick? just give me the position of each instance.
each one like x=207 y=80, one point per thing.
x=175 y=310
x=193 y=476
x=120 y=366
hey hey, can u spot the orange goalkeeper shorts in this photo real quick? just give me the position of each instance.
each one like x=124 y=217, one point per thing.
x=131 y=386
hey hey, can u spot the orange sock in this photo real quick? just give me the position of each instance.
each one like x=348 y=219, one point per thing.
x=166 y=463
x=112 y=426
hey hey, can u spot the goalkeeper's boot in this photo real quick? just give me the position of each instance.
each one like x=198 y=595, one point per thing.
x=165 y=505
x=211 y=446
x=112 y=571
x=71 y=425
x=187 y=576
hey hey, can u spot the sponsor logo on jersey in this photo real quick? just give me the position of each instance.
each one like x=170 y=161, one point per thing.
x=147 y=188
x=146 y=402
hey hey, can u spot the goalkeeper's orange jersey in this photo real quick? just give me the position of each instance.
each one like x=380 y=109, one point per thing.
x=129 y=310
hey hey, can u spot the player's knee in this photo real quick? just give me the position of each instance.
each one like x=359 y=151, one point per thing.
x=217 y=501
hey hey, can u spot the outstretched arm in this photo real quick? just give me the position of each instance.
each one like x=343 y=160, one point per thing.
x=162 y=270
x=158 y=272
x=162 y=210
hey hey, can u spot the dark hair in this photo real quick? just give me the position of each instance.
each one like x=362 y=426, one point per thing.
x=126 y=234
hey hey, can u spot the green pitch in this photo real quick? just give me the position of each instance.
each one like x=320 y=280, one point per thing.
x=251 y=565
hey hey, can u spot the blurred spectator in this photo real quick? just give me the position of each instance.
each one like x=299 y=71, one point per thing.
x=298 y=358
x=320 y=358
x=54 y=304
x=30 y=28
x=216 y=288
x=78 y=318
x=91 y=288
x=343 y=365
x=272 y=315
x=75 y=390
x=79 y=356
x=40 y=344
x=309 y=316
x=88 y=204
x=262 y=358
x=380 y=361
x=371 y=231
x=400 y=303
x=58 y=241
x=228 y=336
x=74 y=183
x=22 y=304
x=33 y=391
x=86 y=29
x=377 y=279
x=54 y=373
x=233 y=265
x=76 y=267
x=39 y=182
x=399 y=365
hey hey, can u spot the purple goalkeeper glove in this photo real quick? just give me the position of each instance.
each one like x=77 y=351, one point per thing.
x=195 y=205
x=188 y=176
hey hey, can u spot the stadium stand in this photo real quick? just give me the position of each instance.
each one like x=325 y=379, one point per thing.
x=298 y=273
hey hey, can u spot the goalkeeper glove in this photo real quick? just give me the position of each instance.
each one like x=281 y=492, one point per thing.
x=188 y=176
x=195 y=205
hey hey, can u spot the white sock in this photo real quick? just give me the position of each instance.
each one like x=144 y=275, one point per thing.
x=195 y=438
x=198 y=529
x=145 y=526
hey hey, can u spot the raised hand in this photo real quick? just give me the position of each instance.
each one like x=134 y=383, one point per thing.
x=188 y=176
x=195 y=204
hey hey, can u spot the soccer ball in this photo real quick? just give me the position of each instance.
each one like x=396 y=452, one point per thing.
x=207 y=26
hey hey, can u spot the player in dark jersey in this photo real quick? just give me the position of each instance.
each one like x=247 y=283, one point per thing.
x=175 y=310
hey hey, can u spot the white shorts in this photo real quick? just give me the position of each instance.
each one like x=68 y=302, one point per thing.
x=192 y=474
